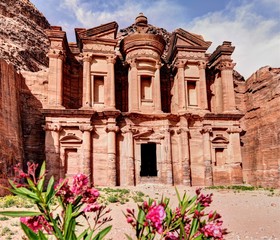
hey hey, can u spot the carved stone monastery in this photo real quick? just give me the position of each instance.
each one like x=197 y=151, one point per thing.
x=141 y=106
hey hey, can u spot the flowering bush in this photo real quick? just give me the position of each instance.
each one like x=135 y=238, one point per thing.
x=188 y=221
x=59 y=206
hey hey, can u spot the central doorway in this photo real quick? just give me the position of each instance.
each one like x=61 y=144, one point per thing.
x=148 y=160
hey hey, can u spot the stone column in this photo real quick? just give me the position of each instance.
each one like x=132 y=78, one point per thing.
x=110 y=96
x=235 y=158
x=130 y=164
x=202 y=85
x=55 y=80
x=183 y=131
x=111 y=129
x=157 y=90
x=87 y=58
x=52 y=148
x=182 y=94
x=87 y=143
x=205 y=131
x=218 y=94
x=226 y=68
x=168 y=170
x=133 y=91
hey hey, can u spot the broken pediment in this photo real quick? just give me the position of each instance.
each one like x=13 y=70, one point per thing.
x=182 y=40
x=105 y=31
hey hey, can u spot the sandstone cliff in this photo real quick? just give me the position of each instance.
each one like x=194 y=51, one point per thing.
x=259 y=99
x=10 y=121
x=23 y=41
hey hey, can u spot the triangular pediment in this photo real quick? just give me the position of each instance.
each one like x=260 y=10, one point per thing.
x=108 y=30
x=184 y=38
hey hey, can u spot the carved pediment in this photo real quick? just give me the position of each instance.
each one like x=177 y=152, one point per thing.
x=71 y=138
x=220 y=140
x=182 y=40
x=105 y=31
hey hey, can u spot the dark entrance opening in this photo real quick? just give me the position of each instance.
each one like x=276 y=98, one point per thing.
x=148 y=160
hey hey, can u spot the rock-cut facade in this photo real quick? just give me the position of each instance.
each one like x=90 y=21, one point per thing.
x=141 y=105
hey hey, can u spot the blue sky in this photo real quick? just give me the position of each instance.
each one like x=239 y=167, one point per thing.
x=253 y=26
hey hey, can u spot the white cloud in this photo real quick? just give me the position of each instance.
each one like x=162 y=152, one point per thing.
x=257 y=43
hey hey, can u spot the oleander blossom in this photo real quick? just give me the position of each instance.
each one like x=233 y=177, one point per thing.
x=155 y=216
x=213 y=230
x=37 y=223
x=80 y=183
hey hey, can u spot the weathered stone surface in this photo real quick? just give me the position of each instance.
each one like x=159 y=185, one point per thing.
x=23 y=41
x=11 y=145
x=261 y=141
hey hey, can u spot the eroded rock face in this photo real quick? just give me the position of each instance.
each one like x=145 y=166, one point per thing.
x=261 y=140
x=23 y=41
x=10 y=121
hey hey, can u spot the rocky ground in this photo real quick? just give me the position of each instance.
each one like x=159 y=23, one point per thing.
x=248 y=215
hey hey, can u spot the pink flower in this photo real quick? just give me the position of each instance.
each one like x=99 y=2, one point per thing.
x=80 y=183
x=213 y=230
x=90 y=195
x=36 y=223
x=64 y=191
x=92 y=207
x=156 y=215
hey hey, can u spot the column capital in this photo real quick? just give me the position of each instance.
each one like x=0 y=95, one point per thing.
x=87 y=57
x=56 y=53
x=180 y=63
x=84 y=128
x=182 y=129
x=206 y=129
x=225 y=65
x=234 y=129
x=111 y=59
x=129 y=129
x=132 y=62
x=202 y=65
x=56 y=127
x=112 y=129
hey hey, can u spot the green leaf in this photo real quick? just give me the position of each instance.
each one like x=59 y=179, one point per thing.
x=29 y=233
x=102 y=233
x=42 y=170
x=42 y=236
x=20 y=213
x=128 y=237
x=26 y=193
x=50 y=190
x=82 y=235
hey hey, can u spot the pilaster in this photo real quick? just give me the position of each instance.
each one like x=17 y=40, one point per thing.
x=55 y=80
x=87 y=143
x=52 y=150
x=182 y=104
x=183 y=133
x=110 y=87
x=206 y=131
x=157 y=90
x=202 y=85
x=167 y=171
x=87 y=58
x=130 y=161
x=133 y=92
x=111 y=129
x=226 y=68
